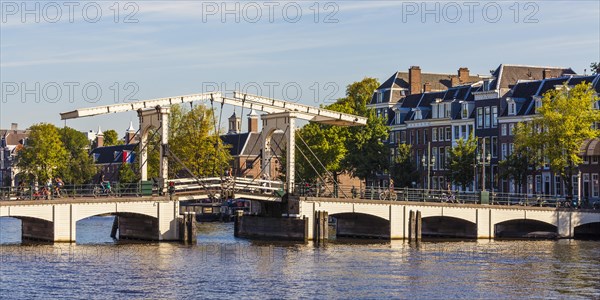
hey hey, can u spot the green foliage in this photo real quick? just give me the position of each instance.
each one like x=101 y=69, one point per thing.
x=565 y=121
x=595 y=66
x=127 y=174
x=79 y=167
x=367 y=154
x=358 y=150
x=194 y=141
x=461 y=162
x=328 y=143
x=44 y=152
x=359 y=93
x=403 y=169
x=516 y=167
x=111 y=138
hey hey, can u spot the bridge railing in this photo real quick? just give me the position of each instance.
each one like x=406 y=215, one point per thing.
x=107 y=189
x=431 y=195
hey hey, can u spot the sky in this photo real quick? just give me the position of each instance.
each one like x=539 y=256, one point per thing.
x=60 y=56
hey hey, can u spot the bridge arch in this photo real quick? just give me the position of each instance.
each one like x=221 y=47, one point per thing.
x=525 y=228
x=587 y=231
x=448 y=227
x=352 y=224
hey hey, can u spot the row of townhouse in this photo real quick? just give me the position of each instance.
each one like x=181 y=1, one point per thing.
x=431 y=112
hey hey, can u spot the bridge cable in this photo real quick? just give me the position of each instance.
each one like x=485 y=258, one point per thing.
x=321 y=163
x=313 y=167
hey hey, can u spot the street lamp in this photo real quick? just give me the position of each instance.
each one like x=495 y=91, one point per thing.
x=428 y=161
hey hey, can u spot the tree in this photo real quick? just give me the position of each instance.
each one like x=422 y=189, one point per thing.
x=127 y=174
x=595 y=66
x=461 y=162
x=515 y=167
x=196 y=142
x=565 y=120
x=79 y=167
x=367 y=154
x=111 y=138
x=359 y=94
x=403 y=169
x=44 y=152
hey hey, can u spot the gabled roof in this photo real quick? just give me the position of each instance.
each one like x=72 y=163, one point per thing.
x=12 y=137
x=249 y=143
x=106 y=155
x=506 y=75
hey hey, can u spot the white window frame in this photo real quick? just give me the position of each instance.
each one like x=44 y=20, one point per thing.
x=503 y=129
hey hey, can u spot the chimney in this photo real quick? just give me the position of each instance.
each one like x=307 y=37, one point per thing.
x=130 y=134
x=253 y=121
x=546 y=74
x=14 y=126
x=235 y=124
x=99 y=138
x=427 y=87
x=414 y=79
x=454 y=81
x=463 y=75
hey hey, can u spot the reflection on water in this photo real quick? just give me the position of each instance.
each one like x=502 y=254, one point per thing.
x=223 y=266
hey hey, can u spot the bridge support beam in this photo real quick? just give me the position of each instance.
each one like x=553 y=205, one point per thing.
x=37 y=230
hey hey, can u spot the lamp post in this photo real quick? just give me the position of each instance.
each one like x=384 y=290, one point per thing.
x=427 y=162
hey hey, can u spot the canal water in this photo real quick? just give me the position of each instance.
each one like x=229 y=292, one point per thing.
x=221 y=266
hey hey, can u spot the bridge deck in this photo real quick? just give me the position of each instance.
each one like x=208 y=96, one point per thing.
x=437 y=204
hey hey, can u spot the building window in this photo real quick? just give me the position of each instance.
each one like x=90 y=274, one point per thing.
x=412 y=138
x=494 y=116
x=529 y=184
x=511 y=128
x=575 y=186
x=434 y=155
x=503 y=154
x=538 y=184
x=595 y=159
x=417 y=137
x=442 y=159
x=512 y=108
x=486 y=123
x=448 y=110
x=595 y=186
x=470 y=130
x=557 y=186
x=456 y=132
x=494 y=146
x=434 y=134
x=441 y=134
x=586 y=159
x=511 y=148
x=479 y=117
x=434 y=111
x=464 y=132
x=465 y=111
x=448 y=134
x=503 y=129
x=379 y=97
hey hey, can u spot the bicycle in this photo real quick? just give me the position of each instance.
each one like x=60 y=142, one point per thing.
x=103 y=188
x=388 y=195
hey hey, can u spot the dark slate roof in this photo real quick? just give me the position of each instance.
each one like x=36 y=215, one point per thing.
x=579 y=79
x=235 y=141
x=525 y=89
x=411 y=101
x=508 y=75
x=430 y=97
x=250 y=143
x=106 y=155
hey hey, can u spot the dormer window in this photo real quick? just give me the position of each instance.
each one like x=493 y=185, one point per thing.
x=512 y=107
x=379 y=97
x=448 y=110
x=418 y=115
x=538 y=103
x=465 y=110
